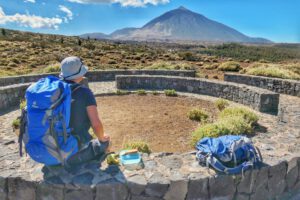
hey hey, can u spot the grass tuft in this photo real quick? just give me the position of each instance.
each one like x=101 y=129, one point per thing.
x=221 y=104
x=171 y=93
x=139 y=145
x=197 y=115
x=230 y=66
x=122 y=92
x=141 y=92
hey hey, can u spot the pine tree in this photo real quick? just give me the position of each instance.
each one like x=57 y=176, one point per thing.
x=3 y=32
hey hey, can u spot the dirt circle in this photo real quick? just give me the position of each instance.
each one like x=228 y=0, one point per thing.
x=159 y=120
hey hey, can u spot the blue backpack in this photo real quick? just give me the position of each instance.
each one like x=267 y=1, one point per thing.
x=45 y=127
x=228 y=154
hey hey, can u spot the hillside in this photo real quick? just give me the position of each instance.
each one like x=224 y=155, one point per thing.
x=26 y=52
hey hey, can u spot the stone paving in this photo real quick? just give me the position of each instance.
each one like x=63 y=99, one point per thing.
x=278 y=139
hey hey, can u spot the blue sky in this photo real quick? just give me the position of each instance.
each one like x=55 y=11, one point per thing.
x=277 y=20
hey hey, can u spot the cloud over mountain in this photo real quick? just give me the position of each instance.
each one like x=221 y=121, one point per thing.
x=31 y=21
x=125 y=3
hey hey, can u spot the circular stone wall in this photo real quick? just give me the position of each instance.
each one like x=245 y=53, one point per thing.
x=166 y=175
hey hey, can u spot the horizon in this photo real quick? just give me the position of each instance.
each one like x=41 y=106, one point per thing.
x=273 y=20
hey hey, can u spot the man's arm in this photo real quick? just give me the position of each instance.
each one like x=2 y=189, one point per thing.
x=96 y=123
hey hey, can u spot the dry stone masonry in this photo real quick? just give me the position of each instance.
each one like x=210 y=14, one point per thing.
x=284 y=86
x=100 y=75
x=166 y=176
x=259 y=99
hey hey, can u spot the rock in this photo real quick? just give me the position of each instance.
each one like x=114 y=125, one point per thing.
x=157 y=185
x=198 y=189
x=144 y=198
x=242 y=197
x=177 y=190
x=292 y=173
x=136 y=184
x=261 y=185
x=20 y=189
x=172 y=162
x=78 y=193
x=49 y=192
x=3 y=188
x=221 y=187
x=111 y=191
x=247 y=182
x=83 y=179
x=276 y=182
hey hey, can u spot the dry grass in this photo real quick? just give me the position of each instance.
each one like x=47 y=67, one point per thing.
x=290 y=71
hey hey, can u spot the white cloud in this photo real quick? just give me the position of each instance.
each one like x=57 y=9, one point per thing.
x=133 y=3
x=29 y=1
x=67 y=11
x=28 y=20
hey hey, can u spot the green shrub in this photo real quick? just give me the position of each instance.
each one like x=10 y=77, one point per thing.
x=141 y=92
x=16 y=124
x=52 y=68
x=197 y=115
x=221 y=104
x=170 y=93
x=249 y=116
x=230 y=66
x=275 y=71
x=155 y=93
x=207 y=130
x=212 y=66
x=231 y=121
x=122 y=92
x=139 y=145
x=22 y=104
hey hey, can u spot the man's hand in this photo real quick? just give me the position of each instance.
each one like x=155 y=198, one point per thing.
x=105 y=138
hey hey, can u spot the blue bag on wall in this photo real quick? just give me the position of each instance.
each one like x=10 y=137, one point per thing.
x=229 y=154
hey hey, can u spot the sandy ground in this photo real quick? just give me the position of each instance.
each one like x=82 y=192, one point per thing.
x=160 y=121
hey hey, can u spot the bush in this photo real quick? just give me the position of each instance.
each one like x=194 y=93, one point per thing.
x=275 y=71
x=141 y=92
x=170 y=93
x=52 y=68
x=230 y=66
x=221 y=104
x=207 y=130
x=22 y=104
x=16 y=124
x=231 y=121
x=246 y=114
x=197 y=115
x=122 y=92
x=155 y=93
x=139 y=145
x=212 y=66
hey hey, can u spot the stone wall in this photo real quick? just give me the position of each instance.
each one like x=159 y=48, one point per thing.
x=259 y=99
x=101 y=75
x=281 y=181
x=12 y=95
x=12 y=88
x=284 y=86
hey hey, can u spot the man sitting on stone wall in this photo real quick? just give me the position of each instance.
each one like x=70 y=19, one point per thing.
x=84 y=115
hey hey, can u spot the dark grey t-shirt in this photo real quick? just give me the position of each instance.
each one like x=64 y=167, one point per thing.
x=79 y=121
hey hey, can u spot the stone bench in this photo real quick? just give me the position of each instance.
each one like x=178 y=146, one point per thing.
x=284 y=86
x=259 y=99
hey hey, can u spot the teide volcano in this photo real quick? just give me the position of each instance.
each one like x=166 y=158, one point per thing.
x=182 y=24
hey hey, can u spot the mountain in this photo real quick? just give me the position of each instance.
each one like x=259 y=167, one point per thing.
x=183 y=24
